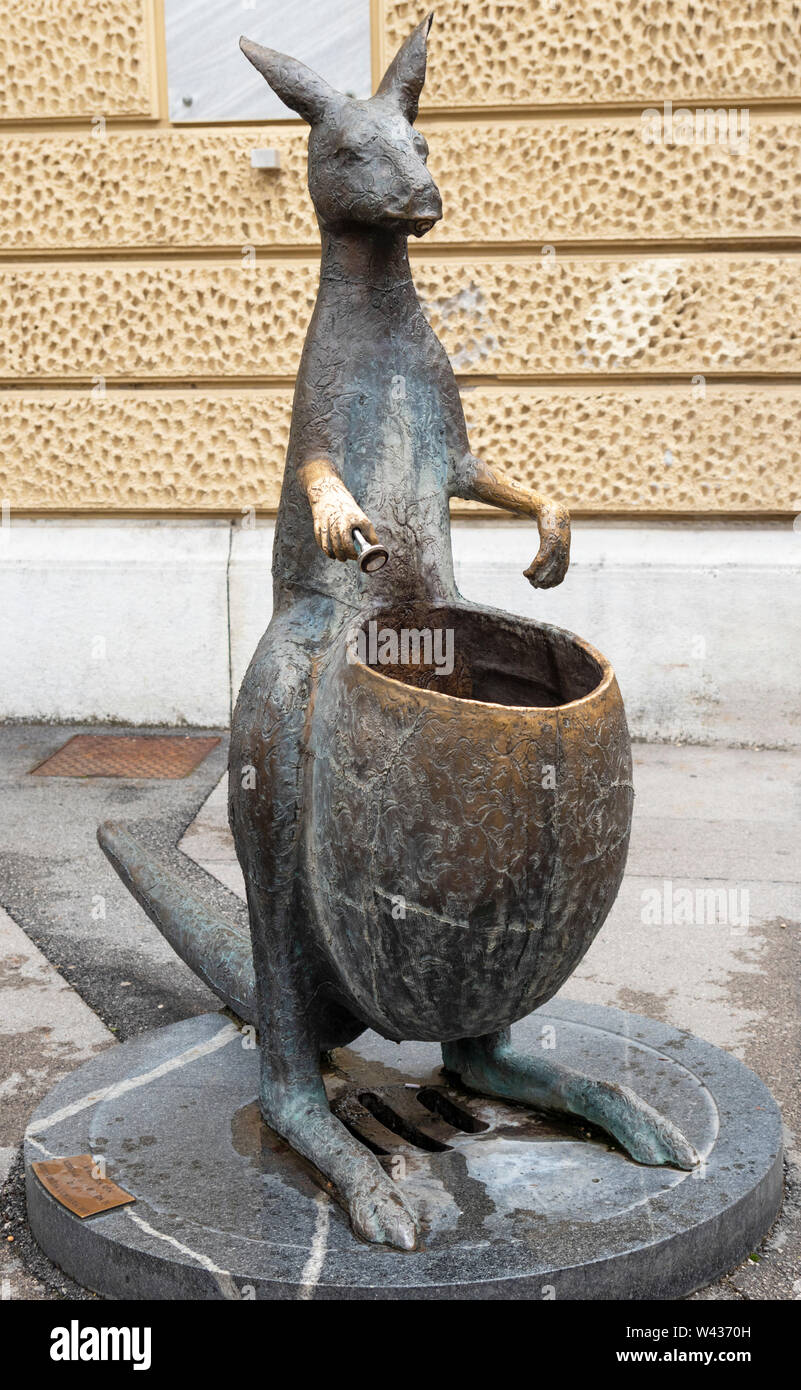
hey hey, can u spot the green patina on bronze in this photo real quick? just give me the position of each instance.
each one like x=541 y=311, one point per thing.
x=429 y=847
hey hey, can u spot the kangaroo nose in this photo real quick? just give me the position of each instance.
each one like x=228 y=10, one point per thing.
x=426 y=209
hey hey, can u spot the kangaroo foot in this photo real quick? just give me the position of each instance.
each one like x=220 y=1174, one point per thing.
x=490 y=1067
x=378 y=1212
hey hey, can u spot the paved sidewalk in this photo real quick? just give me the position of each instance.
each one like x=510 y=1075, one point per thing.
x=706 y=821
x=80 y=964
x=46 y=1030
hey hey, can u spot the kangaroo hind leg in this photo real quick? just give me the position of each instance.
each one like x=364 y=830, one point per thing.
x=292 y=1094
x=295 y=1020
x=490 y=1066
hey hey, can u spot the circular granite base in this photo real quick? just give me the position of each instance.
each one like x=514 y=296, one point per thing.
x=514 y=1205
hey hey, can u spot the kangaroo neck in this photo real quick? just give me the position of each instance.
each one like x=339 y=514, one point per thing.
x=364 y=259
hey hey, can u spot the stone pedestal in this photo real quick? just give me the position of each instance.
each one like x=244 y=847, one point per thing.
x=515 y=1205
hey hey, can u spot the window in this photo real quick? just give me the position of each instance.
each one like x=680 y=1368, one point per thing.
x=211 y=80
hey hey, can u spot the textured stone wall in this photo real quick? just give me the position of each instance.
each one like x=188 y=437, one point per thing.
x=623 y=316
x=724 y=449
x=68 y=58
x=503 y=183
x=535 y=315
x=558 y=52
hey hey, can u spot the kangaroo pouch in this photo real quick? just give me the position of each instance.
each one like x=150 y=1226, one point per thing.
x=465 y=851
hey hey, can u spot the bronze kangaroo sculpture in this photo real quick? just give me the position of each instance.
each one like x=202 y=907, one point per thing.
x=353 y=788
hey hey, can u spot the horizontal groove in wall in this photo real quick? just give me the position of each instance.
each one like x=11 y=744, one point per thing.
x=460 y=511
x=622 y=117
x=588 y=386
x=71 y=125
x=468 y=116
x=419 y=254
x=445 y=115
x=458 y=251
x=594 y=381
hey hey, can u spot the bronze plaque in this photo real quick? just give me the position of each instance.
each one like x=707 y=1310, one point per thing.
x=72 y=1182
x=127 y=755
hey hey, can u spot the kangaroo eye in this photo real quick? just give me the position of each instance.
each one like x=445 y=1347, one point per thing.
x=350 y=156
x=421 y=147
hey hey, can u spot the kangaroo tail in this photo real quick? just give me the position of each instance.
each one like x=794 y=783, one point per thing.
x=216 y=948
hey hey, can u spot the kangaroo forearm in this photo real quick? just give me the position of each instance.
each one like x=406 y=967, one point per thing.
x=499 y=492
x=485 y=485
x=479 y=483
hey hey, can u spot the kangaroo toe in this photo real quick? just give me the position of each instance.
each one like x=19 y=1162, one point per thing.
x=647 y=1136
x=379 y=1214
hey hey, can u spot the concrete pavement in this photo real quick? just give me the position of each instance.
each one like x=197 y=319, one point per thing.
x=80 y=964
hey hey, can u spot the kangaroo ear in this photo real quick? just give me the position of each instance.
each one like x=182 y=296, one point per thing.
x=404 y=78
x=297 y=86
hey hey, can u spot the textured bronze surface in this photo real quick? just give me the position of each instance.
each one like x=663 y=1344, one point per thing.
x=73 y=1183
x=430 y=836
x=123 y=755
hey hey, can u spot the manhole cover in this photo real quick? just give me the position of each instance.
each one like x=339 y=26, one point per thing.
x=122 y=755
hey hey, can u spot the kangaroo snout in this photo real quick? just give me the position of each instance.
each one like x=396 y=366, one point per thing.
x=425 y=211
x=421 y=225
x=422 y=209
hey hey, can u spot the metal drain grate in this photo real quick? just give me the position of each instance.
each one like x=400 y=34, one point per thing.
x=392 y=1117
x=123 y=755
x=425 y=1121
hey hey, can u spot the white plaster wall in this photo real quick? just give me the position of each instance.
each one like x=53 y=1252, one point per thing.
x=701 y=621
x=251 y=593
x=115 y=621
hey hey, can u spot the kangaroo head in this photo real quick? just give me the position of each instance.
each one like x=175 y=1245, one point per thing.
x=367 y=163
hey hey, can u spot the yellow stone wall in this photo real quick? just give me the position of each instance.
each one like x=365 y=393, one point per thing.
x=623 y=316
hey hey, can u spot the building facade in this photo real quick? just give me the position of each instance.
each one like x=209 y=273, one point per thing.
x=616 y=277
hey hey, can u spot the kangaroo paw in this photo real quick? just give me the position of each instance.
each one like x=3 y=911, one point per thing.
x=496 y=1070
x=379 y=1214
x=645 y=1134
x=377 y=1211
